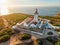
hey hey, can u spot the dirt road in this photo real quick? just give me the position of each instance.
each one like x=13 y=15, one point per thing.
x=5 y=22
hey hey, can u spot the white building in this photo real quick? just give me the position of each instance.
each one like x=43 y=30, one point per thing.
x=37 y=22
x=38 y=25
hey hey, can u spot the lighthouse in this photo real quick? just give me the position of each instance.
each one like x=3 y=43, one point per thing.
x=38 y=27
x=36 y=15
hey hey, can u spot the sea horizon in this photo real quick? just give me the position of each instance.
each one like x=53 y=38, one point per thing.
x=43 y=11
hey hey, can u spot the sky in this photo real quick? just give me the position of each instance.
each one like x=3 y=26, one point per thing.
x=30 y=2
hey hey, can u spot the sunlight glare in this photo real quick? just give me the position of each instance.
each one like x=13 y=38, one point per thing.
x=4 y=8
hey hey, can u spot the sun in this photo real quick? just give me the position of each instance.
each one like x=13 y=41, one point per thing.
x=3 y=7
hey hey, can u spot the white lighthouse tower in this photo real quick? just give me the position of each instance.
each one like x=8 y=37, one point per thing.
x=36 y=15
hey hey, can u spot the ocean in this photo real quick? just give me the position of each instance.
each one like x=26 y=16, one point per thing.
x=43 y=11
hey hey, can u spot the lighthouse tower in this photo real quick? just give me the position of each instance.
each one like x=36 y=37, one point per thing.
x=36 y=15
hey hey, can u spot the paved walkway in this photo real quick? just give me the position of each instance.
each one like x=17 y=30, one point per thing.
x=46 y=42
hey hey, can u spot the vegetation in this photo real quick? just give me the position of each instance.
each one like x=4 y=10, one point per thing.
x=53 y=20
x=52 y=39
x=39 y=42
x=4 y=38
x=1 y=23
x=24 y=36
x=58 y=43
x=58 y=30
x=18 y=17
x=15 y=18
x=5 y=34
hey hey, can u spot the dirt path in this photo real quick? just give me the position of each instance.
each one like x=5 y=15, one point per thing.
x=5 y=22
x=15 y=40
x=14 y=37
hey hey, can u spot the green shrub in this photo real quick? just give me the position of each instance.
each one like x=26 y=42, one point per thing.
x=24 y=36
x=4 y=38
x=58 y=30
x=5 y=34
x=9 y=31
x=6 y=31
x=52 y=39
x=39 y=42
x=58 y=43
x=1 y=23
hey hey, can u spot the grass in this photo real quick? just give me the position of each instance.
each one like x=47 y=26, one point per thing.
x=4 y=38
x=5 y=34
x=15 y=18
x=18 y=17
x=1 y=23
x=24 y=36
x=53 y=20
x=58 y=43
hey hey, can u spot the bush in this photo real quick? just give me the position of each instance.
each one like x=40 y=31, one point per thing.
x=39 y=42
x=9 y=31
x=24 y=36
x=5 y=34
x=52 y=39
x=58 y=30
x=58 y=43
x=4 y=38
x=6 y=31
